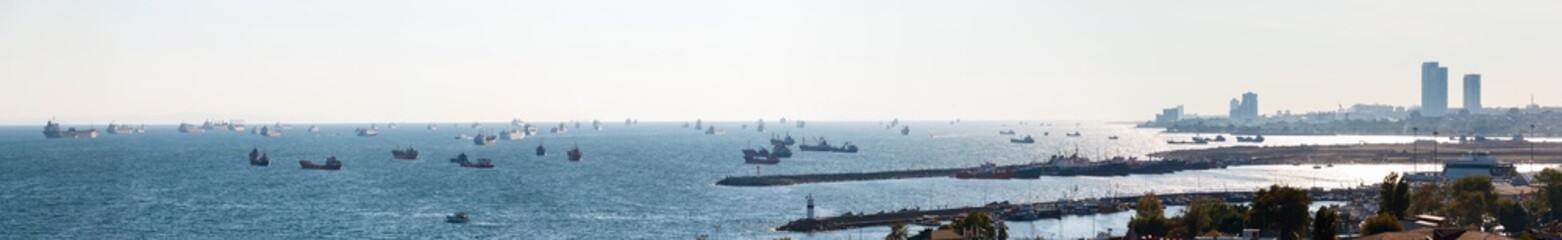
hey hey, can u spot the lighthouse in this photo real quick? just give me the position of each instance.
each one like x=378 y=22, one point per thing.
x=810 y=206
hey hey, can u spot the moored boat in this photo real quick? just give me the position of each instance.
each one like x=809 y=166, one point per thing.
x=1254 y=139
x=986 y=171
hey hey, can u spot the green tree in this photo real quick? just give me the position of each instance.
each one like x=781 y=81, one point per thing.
x=1381 y=223
x=1205 y=215
x=1149 y=218
x=1551 y=191
x=1394 y=197
x=897 y=231
x=1473 y=200
x=1512 y=216
x=1427 y=198
x=1283 y=209
x=978 y=225
x=1325 y=224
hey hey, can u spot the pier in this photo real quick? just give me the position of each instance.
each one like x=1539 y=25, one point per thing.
x=1041 y=210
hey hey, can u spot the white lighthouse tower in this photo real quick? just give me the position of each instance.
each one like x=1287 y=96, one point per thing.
x=810 y=206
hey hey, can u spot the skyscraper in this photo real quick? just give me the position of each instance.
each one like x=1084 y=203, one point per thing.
x=1472 y=92
x=1434 y=90
x=1246 y=108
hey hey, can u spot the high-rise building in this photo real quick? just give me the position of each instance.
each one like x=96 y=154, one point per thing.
x=1472 y=92
x=1169 y=115
x=1246 y=108
x=1434 y=90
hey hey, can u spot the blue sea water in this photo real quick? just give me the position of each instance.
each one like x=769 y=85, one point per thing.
x=646 y=181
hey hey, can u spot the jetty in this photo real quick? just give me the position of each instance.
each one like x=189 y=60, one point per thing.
x=1042 y=210
x=1136 y=167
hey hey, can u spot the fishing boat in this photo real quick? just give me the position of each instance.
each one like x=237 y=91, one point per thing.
x=541 y=151
x=1026 y=140
x=1113 y=137
x=52 y=130
x=484 y=139
x=141 y=129
x=433 y=127
x=255 y=158
x=712 y=131
x=1073 y=134
x=1006 y=132
x=459 y=158
x=516 y=122
x=905 y=131
x=1219 y=138
x=986 y=171
x=788 y=140
x=190 y=128
x=574 y=154
x=409 y=154
x=481 y=163
x=330 y=164
x=458 y=218
x=314 y=128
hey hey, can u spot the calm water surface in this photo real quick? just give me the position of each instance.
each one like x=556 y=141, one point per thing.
x=647 y=181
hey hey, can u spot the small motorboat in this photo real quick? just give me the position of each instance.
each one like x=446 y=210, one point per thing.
x=459 y=217
x=541 y=151
x=261 y=160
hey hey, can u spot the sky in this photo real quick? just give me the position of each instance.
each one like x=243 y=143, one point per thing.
x=678 y=60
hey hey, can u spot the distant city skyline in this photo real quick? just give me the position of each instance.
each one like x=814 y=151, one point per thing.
x=426 y=61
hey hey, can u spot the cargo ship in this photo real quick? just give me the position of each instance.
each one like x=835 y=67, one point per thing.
x=52 y=130
x=330 y=164
x=824 y=146
x=750 y=156
x=1026 y=140
x=236 y=126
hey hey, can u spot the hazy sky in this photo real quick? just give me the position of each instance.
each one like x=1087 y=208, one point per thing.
x=355 y=61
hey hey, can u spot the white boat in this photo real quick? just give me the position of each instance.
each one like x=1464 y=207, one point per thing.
x=512 y=135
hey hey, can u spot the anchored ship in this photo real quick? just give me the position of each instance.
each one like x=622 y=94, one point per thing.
x=52 y=130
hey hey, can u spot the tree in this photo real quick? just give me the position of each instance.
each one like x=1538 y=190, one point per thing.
x=1512 y=216
x=897 y=231
x=1473 y=199
x=1427 y=198
x=1149 y=218
x=1551 y=179
x=1325 y=224
x=1381 y=223
x=1283 y=209
x=1205 y=215
x=1394 y=198
x=977 y=225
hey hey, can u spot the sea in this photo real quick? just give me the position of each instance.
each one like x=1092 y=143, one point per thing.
x=652 y=180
